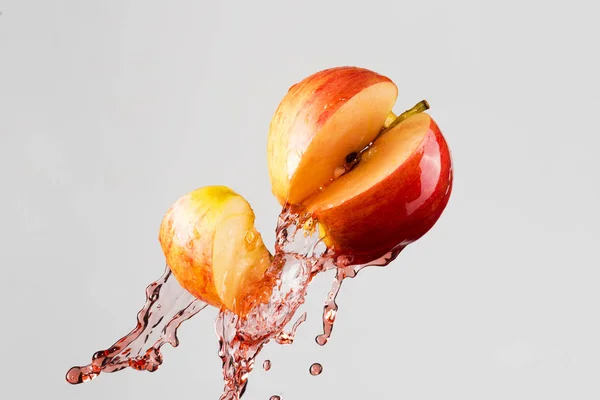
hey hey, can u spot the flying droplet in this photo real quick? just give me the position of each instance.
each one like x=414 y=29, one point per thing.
x=267 y=365
x=315 y=369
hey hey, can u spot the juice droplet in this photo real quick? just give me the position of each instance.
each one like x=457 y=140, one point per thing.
x=250 y=240
x=77 y=375
x=275 y=397
x=267 y=365
x=315 y=369
x=322 y=339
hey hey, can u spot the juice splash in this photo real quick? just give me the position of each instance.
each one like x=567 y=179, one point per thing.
x=299 y=256
x=167 y=306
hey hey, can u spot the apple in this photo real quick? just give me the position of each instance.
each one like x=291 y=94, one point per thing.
x=393 y=196
x=320 y=121
x=373 y=182
x=213 y=249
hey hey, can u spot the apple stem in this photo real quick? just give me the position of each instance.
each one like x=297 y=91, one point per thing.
x=421 y=106
x=389 y=119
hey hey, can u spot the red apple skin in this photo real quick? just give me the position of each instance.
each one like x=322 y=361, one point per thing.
x=399 y=209
x=331 y=86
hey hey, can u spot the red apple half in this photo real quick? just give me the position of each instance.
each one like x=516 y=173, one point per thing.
x=400 y=183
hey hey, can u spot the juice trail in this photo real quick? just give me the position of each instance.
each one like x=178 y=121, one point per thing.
x=345 y=270
x=167 y=306
x=299 y=256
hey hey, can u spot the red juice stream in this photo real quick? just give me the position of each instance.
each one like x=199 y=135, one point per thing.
x=345 y=270
x=299 y=256
x=167 y=306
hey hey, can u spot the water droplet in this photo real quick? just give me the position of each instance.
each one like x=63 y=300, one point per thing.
x=196 y=233
x=250 y=240
x=315 y=369
x=267 y=365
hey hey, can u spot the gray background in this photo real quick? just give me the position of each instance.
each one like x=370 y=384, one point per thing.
x=111 y=110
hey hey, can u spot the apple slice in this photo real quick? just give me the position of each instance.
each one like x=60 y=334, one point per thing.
x=391 y=197
x=212 y=247
x=319 y=122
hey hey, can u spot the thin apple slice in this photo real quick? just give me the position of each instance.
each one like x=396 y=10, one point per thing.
x=211 y=245
x=240 y=257
x=319 y=122
x=392 y=196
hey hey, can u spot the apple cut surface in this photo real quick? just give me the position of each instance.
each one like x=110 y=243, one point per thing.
x=211 y=245
x=240 y=258
x=393 y=195
x=319 y=122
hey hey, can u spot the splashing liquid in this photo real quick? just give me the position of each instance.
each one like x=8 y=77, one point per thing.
x=299 y=256
x=167 y=306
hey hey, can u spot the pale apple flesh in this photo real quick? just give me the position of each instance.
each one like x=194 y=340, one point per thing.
x=240 y=260
x=319 y=122
x=393 y=195
x=212 y=247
